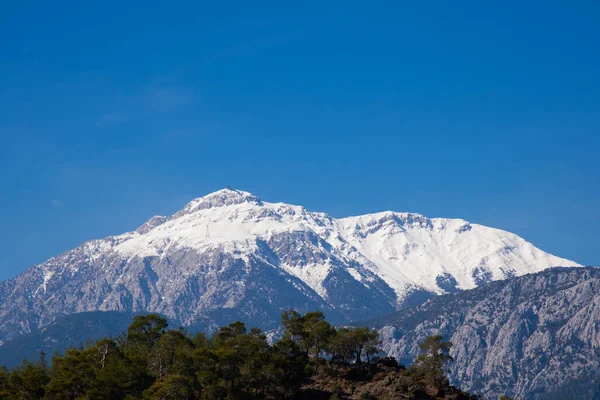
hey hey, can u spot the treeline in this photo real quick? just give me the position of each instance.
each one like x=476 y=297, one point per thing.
x=151 y=362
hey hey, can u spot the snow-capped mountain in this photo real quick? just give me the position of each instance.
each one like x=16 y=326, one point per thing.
x=229 y=255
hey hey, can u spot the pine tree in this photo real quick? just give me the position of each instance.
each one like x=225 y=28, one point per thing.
x=430 y=363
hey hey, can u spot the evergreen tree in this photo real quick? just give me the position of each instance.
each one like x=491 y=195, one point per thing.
x=311 y=331
x=362 y=338
x=28 y=380
x=429 y=365
x=170 y=387
x=72 y=375
x=288 y=363
x=171 y=355
x=341 y=348
x=142 y=335
x=115 y=375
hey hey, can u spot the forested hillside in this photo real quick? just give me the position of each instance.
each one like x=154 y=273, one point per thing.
x=312 y=360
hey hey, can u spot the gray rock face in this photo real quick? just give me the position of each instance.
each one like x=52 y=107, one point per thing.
x=532 y=337
x=229 y=256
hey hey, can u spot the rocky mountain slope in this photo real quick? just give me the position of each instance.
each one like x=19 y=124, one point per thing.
x=229 y=255
x=531 y=337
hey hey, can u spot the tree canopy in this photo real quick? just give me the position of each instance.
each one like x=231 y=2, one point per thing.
x=151 y=361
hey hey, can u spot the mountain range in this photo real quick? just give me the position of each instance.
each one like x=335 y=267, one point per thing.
x=229 y=255
x=534 y=337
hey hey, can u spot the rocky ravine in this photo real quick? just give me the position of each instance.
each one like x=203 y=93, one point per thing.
x=229 y=255
x=532 y=337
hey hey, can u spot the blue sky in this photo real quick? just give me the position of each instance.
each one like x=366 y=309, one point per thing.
x=113 y=113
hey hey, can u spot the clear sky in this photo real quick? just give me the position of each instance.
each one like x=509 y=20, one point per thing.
x=483 y=110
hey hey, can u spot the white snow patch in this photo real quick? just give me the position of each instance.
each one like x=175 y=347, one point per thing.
x=405 y=250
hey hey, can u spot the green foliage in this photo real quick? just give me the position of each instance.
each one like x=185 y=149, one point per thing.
x=27 y=381
x=151 y=362
x=170 y=387
x=310 y=331
x=72 y=375
x=353 y=345
x=426 y=375
x=288 y=368
x=435 y=354
x=143 y=334
x=170 y=355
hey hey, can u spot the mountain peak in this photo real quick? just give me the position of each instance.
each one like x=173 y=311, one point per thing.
x=220 y=198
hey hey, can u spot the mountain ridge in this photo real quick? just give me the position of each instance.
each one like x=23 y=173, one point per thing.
x=532 y=337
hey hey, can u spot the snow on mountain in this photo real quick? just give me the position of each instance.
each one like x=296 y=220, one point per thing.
x=229 y=255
